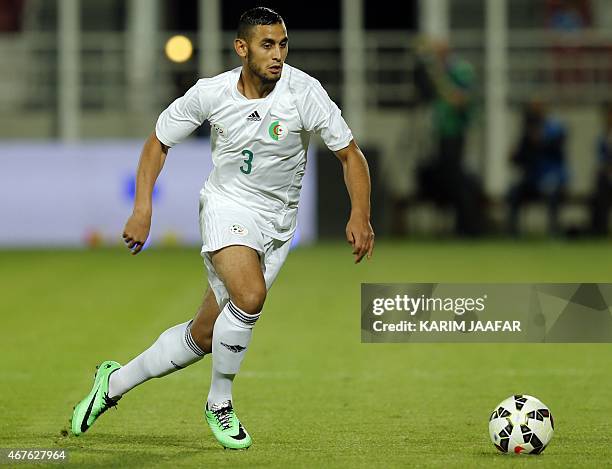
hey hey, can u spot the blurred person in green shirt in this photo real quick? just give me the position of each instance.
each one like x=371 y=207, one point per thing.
x=444 y=178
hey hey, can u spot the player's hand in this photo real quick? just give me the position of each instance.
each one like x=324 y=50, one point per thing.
x=136 y=231
x=360 y=235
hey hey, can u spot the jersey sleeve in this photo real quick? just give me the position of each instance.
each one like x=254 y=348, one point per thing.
x=323 y=116
x=183 y=116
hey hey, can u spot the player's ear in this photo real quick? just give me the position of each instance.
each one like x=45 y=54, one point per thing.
x=240 y=46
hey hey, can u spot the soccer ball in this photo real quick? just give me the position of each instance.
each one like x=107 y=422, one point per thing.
x=521 y=424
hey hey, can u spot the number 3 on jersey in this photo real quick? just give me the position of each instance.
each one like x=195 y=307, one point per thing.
x=246 y=168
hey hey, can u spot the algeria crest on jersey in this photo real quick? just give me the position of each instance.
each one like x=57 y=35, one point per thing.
x=277 y=131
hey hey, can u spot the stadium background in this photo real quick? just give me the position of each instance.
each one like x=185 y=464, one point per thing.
x=81 y=85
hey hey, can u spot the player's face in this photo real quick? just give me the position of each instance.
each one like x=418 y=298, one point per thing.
x=266 y=51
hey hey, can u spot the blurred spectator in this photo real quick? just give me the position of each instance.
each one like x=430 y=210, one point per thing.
x=568 y=15
x=399 y=164
x=443 y=178
x=540 y=157
x=601 y=201
x=569 y=18
x=11 y=12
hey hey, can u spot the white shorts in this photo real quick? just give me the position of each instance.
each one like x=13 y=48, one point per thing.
x=223 y=223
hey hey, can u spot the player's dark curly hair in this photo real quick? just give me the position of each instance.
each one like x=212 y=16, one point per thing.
x=254 y=17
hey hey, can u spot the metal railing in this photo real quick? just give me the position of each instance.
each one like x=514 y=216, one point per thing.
x=568 y=69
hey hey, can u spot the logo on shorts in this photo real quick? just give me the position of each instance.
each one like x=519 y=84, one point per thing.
x=277 y=131
x=220 y=129
x=238 y=230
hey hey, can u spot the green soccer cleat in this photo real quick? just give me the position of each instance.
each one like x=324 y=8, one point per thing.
x=97 y=401
x=226 y=427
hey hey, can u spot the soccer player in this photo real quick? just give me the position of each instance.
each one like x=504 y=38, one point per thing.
x=261 y=115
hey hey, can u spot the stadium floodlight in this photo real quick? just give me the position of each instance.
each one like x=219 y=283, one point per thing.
x=179 y=48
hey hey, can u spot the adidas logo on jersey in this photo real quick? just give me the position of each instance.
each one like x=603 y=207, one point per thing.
x=254 y=117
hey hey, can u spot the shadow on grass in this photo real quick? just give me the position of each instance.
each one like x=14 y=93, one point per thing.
x=125 y=441
x=498 y=457
x=135 y=450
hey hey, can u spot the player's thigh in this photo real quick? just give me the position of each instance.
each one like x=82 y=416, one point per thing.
x=239 y=268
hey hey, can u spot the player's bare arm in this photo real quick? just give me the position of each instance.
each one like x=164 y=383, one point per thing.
x=359 y=232
x=151 y=162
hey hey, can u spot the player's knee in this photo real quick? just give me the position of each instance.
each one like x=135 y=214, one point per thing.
x=251 y=301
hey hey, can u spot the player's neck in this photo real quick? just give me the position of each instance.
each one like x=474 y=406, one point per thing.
x=252 y=87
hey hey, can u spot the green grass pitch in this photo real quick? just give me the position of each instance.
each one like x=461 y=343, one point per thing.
x=309 y=392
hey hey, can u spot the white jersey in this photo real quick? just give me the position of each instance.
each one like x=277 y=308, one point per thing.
x=258 y=145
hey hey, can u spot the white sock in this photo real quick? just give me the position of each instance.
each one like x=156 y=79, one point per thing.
x=231 y=337
x=173 y=350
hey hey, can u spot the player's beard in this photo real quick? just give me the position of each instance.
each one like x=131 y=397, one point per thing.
x=260 y=73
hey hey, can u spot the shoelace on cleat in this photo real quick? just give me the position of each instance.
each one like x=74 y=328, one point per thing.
x=223 y=415
x=108 y=403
